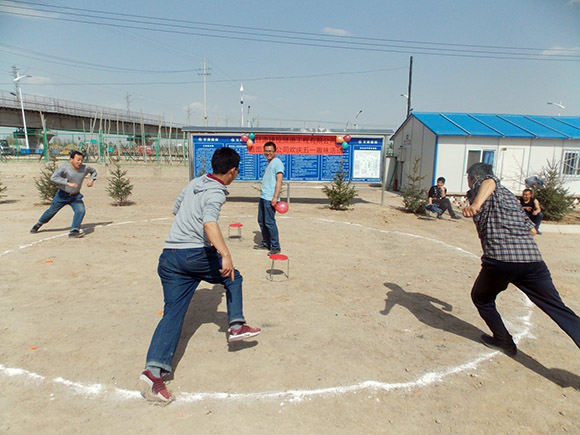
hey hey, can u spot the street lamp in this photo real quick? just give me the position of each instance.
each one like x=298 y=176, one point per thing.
x=354 y=123
x=242 y=103
x=557 y=105
x=17 y=82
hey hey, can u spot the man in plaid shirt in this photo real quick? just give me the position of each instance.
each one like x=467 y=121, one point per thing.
x=510 y=255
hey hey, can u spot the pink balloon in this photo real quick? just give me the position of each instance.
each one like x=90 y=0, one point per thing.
x=347 y=138
x=244 y=138
x=281 y=207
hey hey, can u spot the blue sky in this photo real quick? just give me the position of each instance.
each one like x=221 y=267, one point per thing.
x=495 y=56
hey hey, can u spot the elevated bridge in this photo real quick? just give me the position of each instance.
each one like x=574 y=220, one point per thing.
x=44 y=115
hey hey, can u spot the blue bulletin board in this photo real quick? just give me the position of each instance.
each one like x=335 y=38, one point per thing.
x=362 y=160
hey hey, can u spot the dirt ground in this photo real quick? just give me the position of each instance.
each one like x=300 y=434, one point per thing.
x=374 y=332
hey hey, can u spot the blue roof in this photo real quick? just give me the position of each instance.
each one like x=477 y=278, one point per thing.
x=495 y=125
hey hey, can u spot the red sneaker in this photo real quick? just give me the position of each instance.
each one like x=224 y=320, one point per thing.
x=244 y=332
x=153 y=389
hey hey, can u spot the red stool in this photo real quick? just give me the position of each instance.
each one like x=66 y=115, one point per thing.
x=280 y=257
x=238 y=234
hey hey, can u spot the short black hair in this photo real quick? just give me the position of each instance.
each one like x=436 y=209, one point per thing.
x=441 y=179
x=527 y=190
x=270 y=144
x=73 y=154
x=224 y=159
x=479 y=170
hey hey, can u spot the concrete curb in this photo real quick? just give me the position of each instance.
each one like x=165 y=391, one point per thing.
x=562 y=229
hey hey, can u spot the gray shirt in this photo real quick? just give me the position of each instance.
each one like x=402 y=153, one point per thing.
x=199 y=202
x=67 y=174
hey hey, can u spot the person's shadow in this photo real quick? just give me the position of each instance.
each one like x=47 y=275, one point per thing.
x=436 y=313
x=203 y=308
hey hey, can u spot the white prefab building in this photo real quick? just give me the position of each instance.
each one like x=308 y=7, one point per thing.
x=517 y=146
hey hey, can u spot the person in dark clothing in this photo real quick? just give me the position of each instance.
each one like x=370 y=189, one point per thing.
x=438 y=201
x=532 y=208
x=510 y=256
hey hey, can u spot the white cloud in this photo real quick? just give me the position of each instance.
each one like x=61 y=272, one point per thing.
x=335 y=31
x=561 y=51
x=13 y=8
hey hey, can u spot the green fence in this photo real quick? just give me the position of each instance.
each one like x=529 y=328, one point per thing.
x=97 y=147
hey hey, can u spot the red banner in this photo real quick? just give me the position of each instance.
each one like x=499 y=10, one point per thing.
x=297 y=144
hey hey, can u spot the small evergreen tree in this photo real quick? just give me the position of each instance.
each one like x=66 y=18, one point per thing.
x=414 y=197
x=2 y=189
x=119 y=186
x=46 y=188
x=554 y=198
x=341 y=193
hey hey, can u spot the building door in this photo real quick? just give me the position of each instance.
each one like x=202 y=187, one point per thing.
x=511 y=168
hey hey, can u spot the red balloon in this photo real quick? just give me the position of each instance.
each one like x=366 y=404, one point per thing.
x=281 y=207
x=347 y=138
x=245 y=137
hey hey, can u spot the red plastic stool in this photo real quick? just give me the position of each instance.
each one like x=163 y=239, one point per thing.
x=238 y=234
x=280 y=257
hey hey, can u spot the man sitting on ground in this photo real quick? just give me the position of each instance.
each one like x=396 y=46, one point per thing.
x=532 y=208
x=438 y=201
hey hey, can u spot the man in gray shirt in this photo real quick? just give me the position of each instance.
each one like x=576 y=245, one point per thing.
x=69 y=179
x=194 y=251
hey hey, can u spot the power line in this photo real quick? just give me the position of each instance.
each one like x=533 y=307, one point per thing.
x=289 y=38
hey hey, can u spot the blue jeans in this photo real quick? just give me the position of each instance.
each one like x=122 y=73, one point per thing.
x=537 y=219
x=535 y=281
x=181 y=271
x=59 y=201
x=267 y=222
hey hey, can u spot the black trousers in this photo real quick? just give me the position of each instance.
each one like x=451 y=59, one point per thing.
x=444 y=204
x=535 y=281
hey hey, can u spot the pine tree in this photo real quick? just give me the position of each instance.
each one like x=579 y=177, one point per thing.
x=554 y=198
x=341 y=193
x=46 y=188
x=119 y=187
x=414 y=197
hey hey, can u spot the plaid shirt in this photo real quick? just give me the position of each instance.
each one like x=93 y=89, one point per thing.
x=503 y=227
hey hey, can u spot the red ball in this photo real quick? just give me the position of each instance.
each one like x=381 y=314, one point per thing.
x=281 y=207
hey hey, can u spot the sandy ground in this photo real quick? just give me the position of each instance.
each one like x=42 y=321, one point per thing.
x=374 y=332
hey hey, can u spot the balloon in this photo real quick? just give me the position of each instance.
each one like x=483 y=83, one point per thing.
x=347 y=138
x=339 y=139
x=281 y=207
x=249 y=142
x=345 y=145
x=244 y=137
x=252 y=136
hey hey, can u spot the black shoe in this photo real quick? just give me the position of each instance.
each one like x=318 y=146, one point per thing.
x=274 y=251
x=509 y=349
x=440 y=216
x=455 y=216
x=538 y=232
x=264 y=247
x=35 y=228
x=76 y=234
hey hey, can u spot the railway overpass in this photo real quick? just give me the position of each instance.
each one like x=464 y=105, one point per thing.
x=45 y=115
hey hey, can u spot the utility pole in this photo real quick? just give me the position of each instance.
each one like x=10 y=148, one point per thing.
x=242 y=103
x=410 y=82
x=17 y=78
x=206 y=72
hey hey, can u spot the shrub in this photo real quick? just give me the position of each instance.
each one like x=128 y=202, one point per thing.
x=341 y=193
x=46 y=188
x=119 y=186
x=414 y=197
x=554 y=198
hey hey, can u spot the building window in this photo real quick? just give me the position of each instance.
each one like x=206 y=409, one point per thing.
x=480 y=156
x=571 y=164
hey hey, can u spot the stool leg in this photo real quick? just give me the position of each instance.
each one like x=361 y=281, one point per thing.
x=271 y=269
